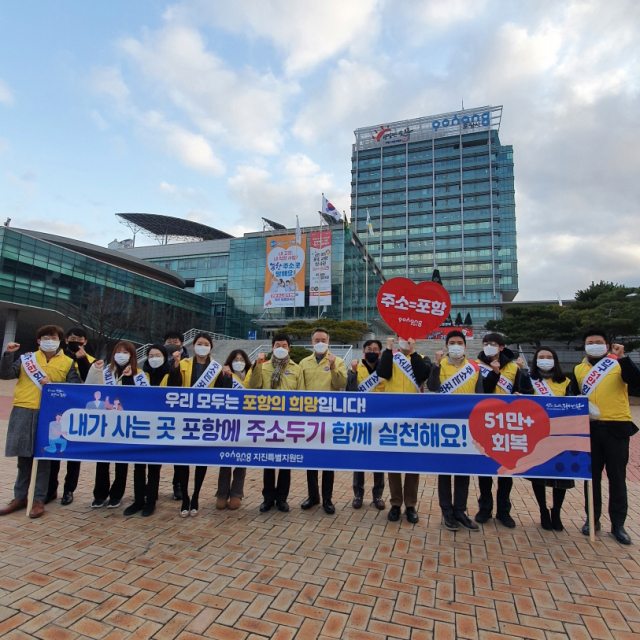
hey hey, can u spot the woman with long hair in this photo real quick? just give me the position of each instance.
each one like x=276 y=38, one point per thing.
x=547 y=378
x=230 y=494
x=146 y=478
x=121 y=370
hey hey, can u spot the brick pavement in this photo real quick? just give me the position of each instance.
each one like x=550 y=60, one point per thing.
x=82 y=573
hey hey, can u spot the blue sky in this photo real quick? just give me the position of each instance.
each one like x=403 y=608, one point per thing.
x=225 y=112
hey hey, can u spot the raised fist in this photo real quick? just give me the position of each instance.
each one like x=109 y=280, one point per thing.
x=176 y=359
x=495 y=365
x=13 y=347
x=332 y=360
x=520 y=363
x=261 y=358
x=80 y=353
x=127 y=371
x=390 y=342
x=412 y=345
x=226 y=371
x=439 y=355
x=354 y=366
x=98 y=364
x=616 y=349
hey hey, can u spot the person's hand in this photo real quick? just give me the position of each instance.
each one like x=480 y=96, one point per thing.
x=412 y=345
x=390 y=342
x=332 y=361
x=80 y=353
x=45 y=380
x=98 y=364
x=495 y=365
x=354 y=366
x=127 y=371
x=520 y=363
x=546 y=449
x=106 y=401
x=226 y=371
x=12 y=347
x=261 y=358
x=438 y=356
x=616 y=349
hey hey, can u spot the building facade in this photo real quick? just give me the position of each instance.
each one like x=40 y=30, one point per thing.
x=440 y=193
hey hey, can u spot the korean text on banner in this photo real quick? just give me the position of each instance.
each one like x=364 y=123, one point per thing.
x=284 y=276
x=534 y=436
x=320 y=269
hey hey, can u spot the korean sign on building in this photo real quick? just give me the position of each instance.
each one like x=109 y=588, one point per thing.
x=284 y=272
x=545 y=437
x=320 y=268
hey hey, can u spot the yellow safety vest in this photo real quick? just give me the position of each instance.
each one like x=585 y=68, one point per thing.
x=318 y=376
x=611 y=396
x=448 y=370
x=27 y=394
x=292 y=378
x=364 y=373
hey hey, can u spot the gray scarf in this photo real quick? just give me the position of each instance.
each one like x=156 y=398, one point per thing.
x=278 y=367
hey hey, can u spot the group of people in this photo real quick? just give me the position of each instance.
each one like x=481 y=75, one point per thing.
x=604 y=376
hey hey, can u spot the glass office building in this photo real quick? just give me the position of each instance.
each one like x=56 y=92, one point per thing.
x=440 y=192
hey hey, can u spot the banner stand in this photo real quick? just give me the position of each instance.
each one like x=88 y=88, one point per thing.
x=32 y=486
x=592 y=524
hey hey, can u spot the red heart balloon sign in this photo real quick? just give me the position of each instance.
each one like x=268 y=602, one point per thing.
x=413 y=310
x=508 y=431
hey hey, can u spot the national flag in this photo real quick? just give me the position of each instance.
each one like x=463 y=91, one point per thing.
x=347 y=228
x=369 y=225
x=298 y=232
x=329 y=209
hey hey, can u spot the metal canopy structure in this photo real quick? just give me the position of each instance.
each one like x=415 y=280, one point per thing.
x=274 y=226
x=165 y=228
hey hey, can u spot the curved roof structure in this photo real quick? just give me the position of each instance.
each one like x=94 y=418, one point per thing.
x=164 y=227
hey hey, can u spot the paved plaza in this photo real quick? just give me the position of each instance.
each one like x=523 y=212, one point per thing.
x=83 y=573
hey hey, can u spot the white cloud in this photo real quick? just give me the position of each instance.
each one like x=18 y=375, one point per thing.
x=101 y=123
x=5 y=93
x=108 y=80
x=179 y=194
x=56 y=227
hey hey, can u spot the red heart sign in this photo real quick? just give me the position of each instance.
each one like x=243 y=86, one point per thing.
x=508 y=431
x=413 y=310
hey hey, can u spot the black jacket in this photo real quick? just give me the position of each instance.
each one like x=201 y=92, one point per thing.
x=522 y=383
x=421 y=366
x=352 y=378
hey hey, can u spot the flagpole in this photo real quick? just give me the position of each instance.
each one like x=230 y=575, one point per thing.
x=344 y=244
x=318 y=293
x=366 y=275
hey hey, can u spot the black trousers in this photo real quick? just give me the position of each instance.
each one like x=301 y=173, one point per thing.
x=611 y=453
x=485 y=501
x=183 y=479
x=327 y=485
x=457 y=505
x=176 y=480
x=540 y=492
x=103 y=489
x=143 y=487
x=358 y=484
x=70 y=479
x=270 y=491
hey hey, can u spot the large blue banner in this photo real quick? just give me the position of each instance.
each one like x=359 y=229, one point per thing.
x=543 y=437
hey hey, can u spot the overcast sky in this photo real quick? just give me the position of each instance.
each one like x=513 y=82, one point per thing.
x=224 y=112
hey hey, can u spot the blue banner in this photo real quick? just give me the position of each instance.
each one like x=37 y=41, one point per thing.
x=545 y=437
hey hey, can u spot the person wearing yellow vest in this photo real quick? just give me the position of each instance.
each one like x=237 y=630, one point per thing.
x=234 y=376
x=455 y=374
x=281 y=373
x=122 y=370
x=547 y=379
x=204 y=372
x=503 y=375
x=47 y=364
x=362 y=377
x=604 y=377
x=76 y=342
x=322 y=372
x=404 y=372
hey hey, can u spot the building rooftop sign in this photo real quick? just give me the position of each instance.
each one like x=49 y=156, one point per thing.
x=428 y=127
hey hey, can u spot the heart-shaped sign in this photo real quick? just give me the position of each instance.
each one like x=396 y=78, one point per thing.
x=508 y=431
x=413 y=310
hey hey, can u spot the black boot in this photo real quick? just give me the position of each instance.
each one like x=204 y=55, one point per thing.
x=556 y=523
x=545 y=519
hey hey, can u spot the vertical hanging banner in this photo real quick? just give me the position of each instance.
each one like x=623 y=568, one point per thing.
x=320 y=269
x=284 y=277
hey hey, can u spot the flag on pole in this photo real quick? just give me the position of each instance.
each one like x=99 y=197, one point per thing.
x=298 y=232
x=369 y=225
x=559 y=300
x=329 y=210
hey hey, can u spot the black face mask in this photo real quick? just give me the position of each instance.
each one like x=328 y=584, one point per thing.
x=371 y=357
x=74 y=346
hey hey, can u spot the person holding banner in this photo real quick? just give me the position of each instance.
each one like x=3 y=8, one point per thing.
x=322 y=372
x=33 y=371
x=363 y=377
x=76 y=342
x=145 y=490
x=278 y=373
x=234 y=374
x=604 y=378
x=119 y=371
x=547 y=379
x=455 y=374
x=502 y=374
x=200 y=372
x=404 y=372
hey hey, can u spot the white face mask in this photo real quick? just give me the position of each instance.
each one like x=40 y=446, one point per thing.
x=545 y=364
x=156 y=362
x=593 y=350
x=238 y=366
x=121 y=358
x=320 y=347
x=280 y=353
x=404 y=345
x=49 y=345
x=490 y=350
x=202 y=350
x=456 y=351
